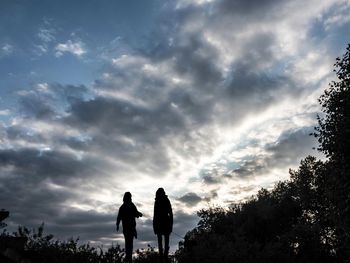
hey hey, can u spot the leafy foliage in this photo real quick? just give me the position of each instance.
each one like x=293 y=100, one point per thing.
x=333 y=131
x=43 y=248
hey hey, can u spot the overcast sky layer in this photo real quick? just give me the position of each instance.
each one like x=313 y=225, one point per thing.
x=210 y=100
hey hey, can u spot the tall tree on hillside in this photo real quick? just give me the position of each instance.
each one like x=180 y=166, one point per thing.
x=333 y=134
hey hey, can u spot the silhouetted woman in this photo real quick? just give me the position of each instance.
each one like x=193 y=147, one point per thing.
x=127 y=214
x=162 y=221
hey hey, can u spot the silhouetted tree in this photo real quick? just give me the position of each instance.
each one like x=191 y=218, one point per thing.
x=280 y=225
x=333 y=133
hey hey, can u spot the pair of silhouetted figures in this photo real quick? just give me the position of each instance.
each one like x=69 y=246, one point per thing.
x=162 y=223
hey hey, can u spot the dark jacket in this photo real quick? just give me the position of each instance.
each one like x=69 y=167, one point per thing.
x=127 y=214
x=162 y=216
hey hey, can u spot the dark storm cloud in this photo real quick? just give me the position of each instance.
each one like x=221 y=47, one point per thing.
x=193 y=108
x=195 y=58
x=258 y=54
x=81 y=218
x=145 y=230
x=37 y=106
x=18 y=132
x=291 y=146
x=35 y=184
x=32 y=204
x=183 y=222
x=246 y=84
x=190 y=199
x=212 y=178
x=243 y=8
x=212 y=195
x=46 y=101
x=122 y=117
x=75 y=143
x=130 y=133
x=35 y=165
x=109 y=126
x=252 y=167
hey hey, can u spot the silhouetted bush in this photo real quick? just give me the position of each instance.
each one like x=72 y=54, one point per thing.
x=42 y=248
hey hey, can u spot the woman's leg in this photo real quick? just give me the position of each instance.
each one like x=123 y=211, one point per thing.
x=166 y=245
x=128 y=247
x=160 y=244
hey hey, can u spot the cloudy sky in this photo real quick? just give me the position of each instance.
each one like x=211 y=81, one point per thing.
x=211 y=100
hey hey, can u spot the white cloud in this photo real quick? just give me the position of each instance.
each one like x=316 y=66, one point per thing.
x=185 y=3
x=6 y=49
x=41 y=49
x=43 y=87
x=339 y=16
x=5 y=112
x=46 y=34
x=76 y=48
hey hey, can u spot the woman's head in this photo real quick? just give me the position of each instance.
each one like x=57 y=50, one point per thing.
x=160 y=193
x=127 y=197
